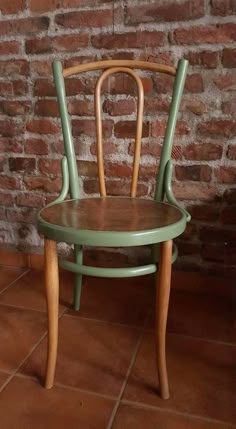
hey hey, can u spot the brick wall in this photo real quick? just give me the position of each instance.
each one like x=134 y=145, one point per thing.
x=34 y=32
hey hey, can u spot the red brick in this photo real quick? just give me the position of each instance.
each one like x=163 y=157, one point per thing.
x=223 y=33
x=8 y=182
x=230 y=196
x=229 y=56
x=46 y=108
x=13 y=6
x=170 y=11
x=66 y=43
x=24 y=26
x=219 y=253
x=10 y=128
x=158 y=128
x=223 y=7
x=215 y=234
x=41 y=68
x=83 y=18
x=42 y=126
x=193 y=172
x=87 y=127
x=186 y=248
x=228 y=215
x=20 y=87
x=204 y=212
x=194 y=83
x=10 y=145
x=6 y=199
x=194 y=191
x=206 y=59
x=26 y=215
x=231 y=152
x=218 y=128
x=163 y=83
x=149 y=171
x=81 y=107
x=226 y=174
x=36 y=147
x=113 y=169
x=14 y=68
x=45 y=184
x=194 y=105
x=226 y=81
x=119 y=107
x=128 y=40
x=30 y=200
x=127 y=129
x=46 y=88
x=152 y=106
x=14 y=108
x=8 y=48
x=148 y=148
x=115 y=188
x=229 y=107
x=87 y=168
x=50 y=166
x=81 y=59
x=80 y=3
x=203 y=152
x=44 y=5
x=22 y=164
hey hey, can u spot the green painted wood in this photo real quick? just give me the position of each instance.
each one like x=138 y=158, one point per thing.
x=66 y=129
x=169 y=193
x=111 y=238
x=108 y=272
x=170 y=128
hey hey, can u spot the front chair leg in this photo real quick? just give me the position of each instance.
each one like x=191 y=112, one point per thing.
x=52 y=294
x=162 y=303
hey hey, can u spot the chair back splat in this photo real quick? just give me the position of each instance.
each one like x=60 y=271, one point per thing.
x=111 y=67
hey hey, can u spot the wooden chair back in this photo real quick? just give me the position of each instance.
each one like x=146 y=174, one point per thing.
x=110 y=67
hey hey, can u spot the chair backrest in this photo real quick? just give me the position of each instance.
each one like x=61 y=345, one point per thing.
x=110 y=67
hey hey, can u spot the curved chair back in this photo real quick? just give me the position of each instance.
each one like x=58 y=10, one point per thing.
x=110 y=67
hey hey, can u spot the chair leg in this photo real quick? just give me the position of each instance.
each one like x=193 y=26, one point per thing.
x=78 y=278
x=52 y=294
x=162 y=303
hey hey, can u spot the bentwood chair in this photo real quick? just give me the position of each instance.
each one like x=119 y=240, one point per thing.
x=113 y=221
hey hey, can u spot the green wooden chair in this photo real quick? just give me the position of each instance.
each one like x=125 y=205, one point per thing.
x=113 y=221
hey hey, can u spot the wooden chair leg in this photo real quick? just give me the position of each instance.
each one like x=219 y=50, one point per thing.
x=52 y=294
x=162 y=303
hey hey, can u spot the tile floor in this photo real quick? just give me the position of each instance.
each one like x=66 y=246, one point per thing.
x=106 y=375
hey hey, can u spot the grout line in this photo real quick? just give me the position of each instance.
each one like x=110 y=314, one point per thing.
x=127 y=325
x=25 y=359
x=89 y=392
x=14 y=281
x=172 y=411
x=114 y=412
x=20 y=307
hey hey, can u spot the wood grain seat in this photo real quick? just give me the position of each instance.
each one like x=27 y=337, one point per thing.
x=94 y=220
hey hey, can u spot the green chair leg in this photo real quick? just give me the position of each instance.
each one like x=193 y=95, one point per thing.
x=78 y=278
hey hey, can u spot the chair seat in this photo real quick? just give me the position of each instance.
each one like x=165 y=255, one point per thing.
x=111 y=221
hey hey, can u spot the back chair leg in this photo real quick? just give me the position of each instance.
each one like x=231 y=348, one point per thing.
x=78 y=277
x=162 y=303
x=52 y=294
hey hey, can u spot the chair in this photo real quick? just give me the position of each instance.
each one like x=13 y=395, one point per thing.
x=113 y=221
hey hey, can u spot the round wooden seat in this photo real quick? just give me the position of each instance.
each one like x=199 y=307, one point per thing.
x=112 y=221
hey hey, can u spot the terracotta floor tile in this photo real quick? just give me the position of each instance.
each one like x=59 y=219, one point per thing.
x=116 y=300
x=202 y=377
x=92 y=355
x=210 y=317
x=29 y=291
x=3 y=377
x=9 y=274
x=19 y=332
x=130 y=417
x=26 y=404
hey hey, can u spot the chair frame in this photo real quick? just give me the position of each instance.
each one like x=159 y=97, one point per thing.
x=167 y=252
